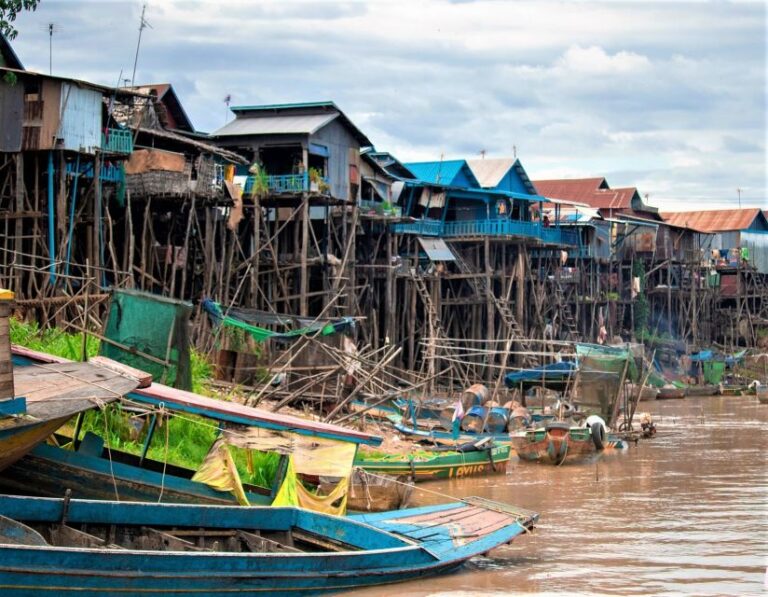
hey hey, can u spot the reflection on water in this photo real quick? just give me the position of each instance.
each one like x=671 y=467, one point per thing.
x=685 y=512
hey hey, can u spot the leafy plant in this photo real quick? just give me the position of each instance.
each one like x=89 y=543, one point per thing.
x=9 y=10
x=260 y=178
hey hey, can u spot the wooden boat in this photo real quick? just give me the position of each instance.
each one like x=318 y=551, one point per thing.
x=37 y=400
x=670 y=394
x=378 y=493
x=762 y=394
x=63 y=547
x=440 y=465
x=447 y=438
x=706 y=390
x=94 y=470
x=560 y=442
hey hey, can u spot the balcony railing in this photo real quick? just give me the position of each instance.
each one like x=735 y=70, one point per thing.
x=420 y=227
x=467 y=228
x=285 y=183
x=117 y=141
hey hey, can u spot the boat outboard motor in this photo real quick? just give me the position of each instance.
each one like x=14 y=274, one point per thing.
x=597 y=429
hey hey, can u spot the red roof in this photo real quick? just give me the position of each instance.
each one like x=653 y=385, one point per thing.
x=713 y=220
x=593 y=191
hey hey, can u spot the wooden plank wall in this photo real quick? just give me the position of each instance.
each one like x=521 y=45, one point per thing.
x=6 y=367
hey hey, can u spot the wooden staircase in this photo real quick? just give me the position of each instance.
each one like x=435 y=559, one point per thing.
x=514 y=330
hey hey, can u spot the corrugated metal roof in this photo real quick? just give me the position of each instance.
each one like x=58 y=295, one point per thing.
x=490 y=172
x=592 y=191
x=442 y=172
x=713 y=220
x=275 y=125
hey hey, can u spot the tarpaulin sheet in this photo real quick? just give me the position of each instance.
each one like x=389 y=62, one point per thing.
x=553 y=372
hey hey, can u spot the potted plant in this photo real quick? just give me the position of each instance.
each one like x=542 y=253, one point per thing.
x=315 y=179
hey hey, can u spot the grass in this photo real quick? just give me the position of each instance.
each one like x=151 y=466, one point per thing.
x=70 y=346
x=188 y=437
x=52 y=341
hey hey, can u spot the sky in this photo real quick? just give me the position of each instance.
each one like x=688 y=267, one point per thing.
x=669 y=97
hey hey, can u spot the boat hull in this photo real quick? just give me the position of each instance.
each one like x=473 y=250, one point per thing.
x=556 y=447
x=15 y=442
x=376 y=556
x=48 y=471
x=443 y=466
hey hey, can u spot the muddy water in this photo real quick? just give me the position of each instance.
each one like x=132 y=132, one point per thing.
x=683 y=513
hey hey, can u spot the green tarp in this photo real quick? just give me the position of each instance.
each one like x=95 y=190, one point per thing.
x=140 y=322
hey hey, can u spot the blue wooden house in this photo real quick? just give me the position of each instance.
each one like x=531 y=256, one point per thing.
x=459 y=199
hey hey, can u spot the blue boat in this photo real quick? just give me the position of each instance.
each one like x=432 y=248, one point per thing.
x=67 y=547
x=448 y=438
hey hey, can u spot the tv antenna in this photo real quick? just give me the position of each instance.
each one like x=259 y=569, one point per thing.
x=144 y=23
x=51 y=28
x=227 y=101
x=482 y=154
x=738 y=191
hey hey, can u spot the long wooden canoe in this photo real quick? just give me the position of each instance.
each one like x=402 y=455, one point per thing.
x=59 y=547
x=440 y=465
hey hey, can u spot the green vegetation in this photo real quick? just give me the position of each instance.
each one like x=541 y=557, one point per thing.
x=70 y=346
x=52 y=340
x=9 y=10
x=186 y=439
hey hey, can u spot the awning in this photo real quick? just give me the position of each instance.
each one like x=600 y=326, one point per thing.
x=436 y=249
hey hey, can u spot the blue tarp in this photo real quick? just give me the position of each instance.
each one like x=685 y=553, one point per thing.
x=554 y=373
x=703 y=355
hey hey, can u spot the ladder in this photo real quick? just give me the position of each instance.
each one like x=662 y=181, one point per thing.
x=570 y=329
x=514 y=330
x=435 y=327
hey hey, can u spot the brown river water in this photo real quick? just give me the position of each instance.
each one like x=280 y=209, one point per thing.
x=683 y=513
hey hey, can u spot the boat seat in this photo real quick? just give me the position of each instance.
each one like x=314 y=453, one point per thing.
x=64 y=535
x=156 y=540
x=91 y=445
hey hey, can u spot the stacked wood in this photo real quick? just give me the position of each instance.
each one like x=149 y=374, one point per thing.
x=6 y=365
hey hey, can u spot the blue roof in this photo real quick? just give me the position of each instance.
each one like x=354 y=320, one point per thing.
x=447 y=172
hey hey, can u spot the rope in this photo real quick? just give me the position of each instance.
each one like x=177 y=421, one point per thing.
x=162 y=415
x=109 y=450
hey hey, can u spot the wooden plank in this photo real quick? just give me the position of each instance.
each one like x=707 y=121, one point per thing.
x=144 y=378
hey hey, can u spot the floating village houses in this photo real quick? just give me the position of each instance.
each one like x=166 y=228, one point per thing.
x=290 y=209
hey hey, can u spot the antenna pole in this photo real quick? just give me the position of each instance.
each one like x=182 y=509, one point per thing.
x=739 y=193
x=138 y=43
x=50 y=48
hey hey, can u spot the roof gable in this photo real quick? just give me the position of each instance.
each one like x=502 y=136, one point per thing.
x=504 y=174
x=176 y=118
x=391 y=164
x=8 y=57
x=454 y=173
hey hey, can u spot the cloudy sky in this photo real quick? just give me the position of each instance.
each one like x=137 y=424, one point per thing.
x=666 y=96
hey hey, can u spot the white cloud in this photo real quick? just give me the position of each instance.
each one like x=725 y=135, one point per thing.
x=594 y=60
x=669 y=97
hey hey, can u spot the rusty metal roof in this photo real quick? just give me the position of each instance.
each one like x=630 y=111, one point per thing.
x=713 y=220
